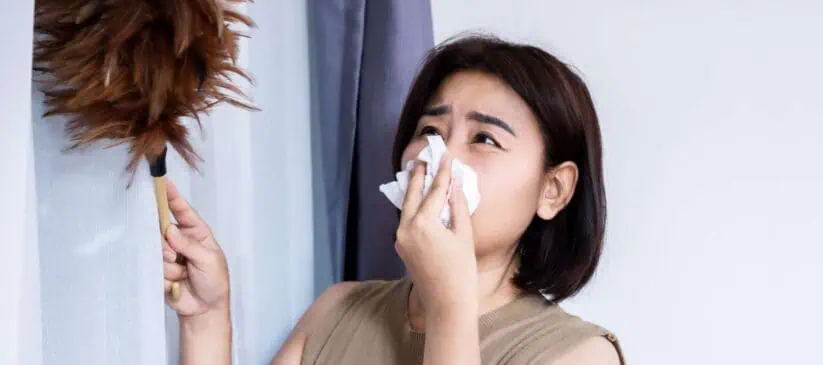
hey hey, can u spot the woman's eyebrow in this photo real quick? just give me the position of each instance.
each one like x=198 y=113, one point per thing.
x=438 y=110
x=490 y=119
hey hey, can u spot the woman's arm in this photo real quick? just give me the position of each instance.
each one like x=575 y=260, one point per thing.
x=452 y=336
x=441 y=262
x=202 y=305
x=291 y=353
x=206 y=339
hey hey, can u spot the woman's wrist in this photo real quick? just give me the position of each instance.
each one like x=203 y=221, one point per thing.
x=454 y=335
x=454 y=312
x=205 y=339
x=455 y=304
x=216 y=319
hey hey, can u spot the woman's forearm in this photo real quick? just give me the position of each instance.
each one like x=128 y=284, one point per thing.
x=452 y=337
x=206 y=339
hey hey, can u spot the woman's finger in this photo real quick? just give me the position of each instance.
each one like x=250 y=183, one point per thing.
x=414 y=192
x=168 y=254
x=436 y=198
x=174 y=272
x=166 y=285
x=196 y=253
x=184 y=214
x=461 y=218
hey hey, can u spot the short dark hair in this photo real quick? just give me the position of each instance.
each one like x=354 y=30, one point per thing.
x=559 y=256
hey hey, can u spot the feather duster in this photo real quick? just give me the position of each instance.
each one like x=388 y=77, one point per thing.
x=128 y=71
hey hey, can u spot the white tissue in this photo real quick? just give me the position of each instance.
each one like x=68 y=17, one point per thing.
x=431 y=155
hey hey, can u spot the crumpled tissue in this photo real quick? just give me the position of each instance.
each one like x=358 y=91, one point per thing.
x=431 y=155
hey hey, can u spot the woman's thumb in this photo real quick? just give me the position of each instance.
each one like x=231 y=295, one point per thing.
x=193 y=251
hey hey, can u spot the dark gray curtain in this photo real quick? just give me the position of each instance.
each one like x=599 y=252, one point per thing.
x=364 y=54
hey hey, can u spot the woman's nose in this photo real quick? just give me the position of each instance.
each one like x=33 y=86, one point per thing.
x=456 y=145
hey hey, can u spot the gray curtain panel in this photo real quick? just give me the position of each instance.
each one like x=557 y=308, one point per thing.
x=365 y=55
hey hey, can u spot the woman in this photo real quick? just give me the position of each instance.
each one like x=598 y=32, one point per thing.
x=527 y=125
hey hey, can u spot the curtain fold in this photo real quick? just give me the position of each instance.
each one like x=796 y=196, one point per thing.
x=365 y=54
x=337 y=41
x=20 y=324
x=397 y=36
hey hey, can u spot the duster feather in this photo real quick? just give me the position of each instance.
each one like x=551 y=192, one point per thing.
x=128 y=71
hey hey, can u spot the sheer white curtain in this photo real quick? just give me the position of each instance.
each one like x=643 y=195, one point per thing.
x=256 y=185
x=97 y=290
x=19 y=284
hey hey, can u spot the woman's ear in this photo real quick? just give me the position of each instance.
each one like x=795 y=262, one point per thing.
x=558 y=189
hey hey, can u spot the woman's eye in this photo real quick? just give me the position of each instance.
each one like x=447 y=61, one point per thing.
x=429 y=131
x=486 y=139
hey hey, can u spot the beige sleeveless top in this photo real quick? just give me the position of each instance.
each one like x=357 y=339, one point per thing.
x=370 y=327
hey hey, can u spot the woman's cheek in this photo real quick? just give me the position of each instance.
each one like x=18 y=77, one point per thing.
x=506 y=198
x=488 y=188
x=411 y=151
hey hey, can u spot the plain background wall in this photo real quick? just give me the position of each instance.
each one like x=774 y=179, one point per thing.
x=712 y=115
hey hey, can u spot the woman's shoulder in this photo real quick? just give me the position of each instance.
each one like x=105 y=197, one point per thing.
x=593 y=351
x=358 y=292
x=343 y=309
x=587 y=343
x=551 y=335
x=349 y=290
x=331 y=297
x=343 y=297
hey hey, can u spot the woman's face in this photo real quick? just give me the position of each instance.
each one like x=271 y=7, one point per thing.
x=489 y=127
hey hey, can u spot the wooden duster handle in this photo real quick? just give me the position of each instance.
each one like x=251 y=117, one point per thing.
x=157 y=166
x=161 y=196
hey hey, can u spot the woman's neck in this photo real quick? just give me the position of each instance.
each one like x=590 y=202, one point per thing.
x=494 y=289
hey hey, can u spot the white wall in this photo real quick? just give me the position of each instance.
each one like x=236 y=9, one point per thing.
x=712 y=114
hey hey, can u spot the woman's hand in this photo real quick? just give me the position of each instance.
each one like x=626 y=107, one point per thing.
x=440 y=260
x=203 y=304
x=442 y=265
x=204 y=279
